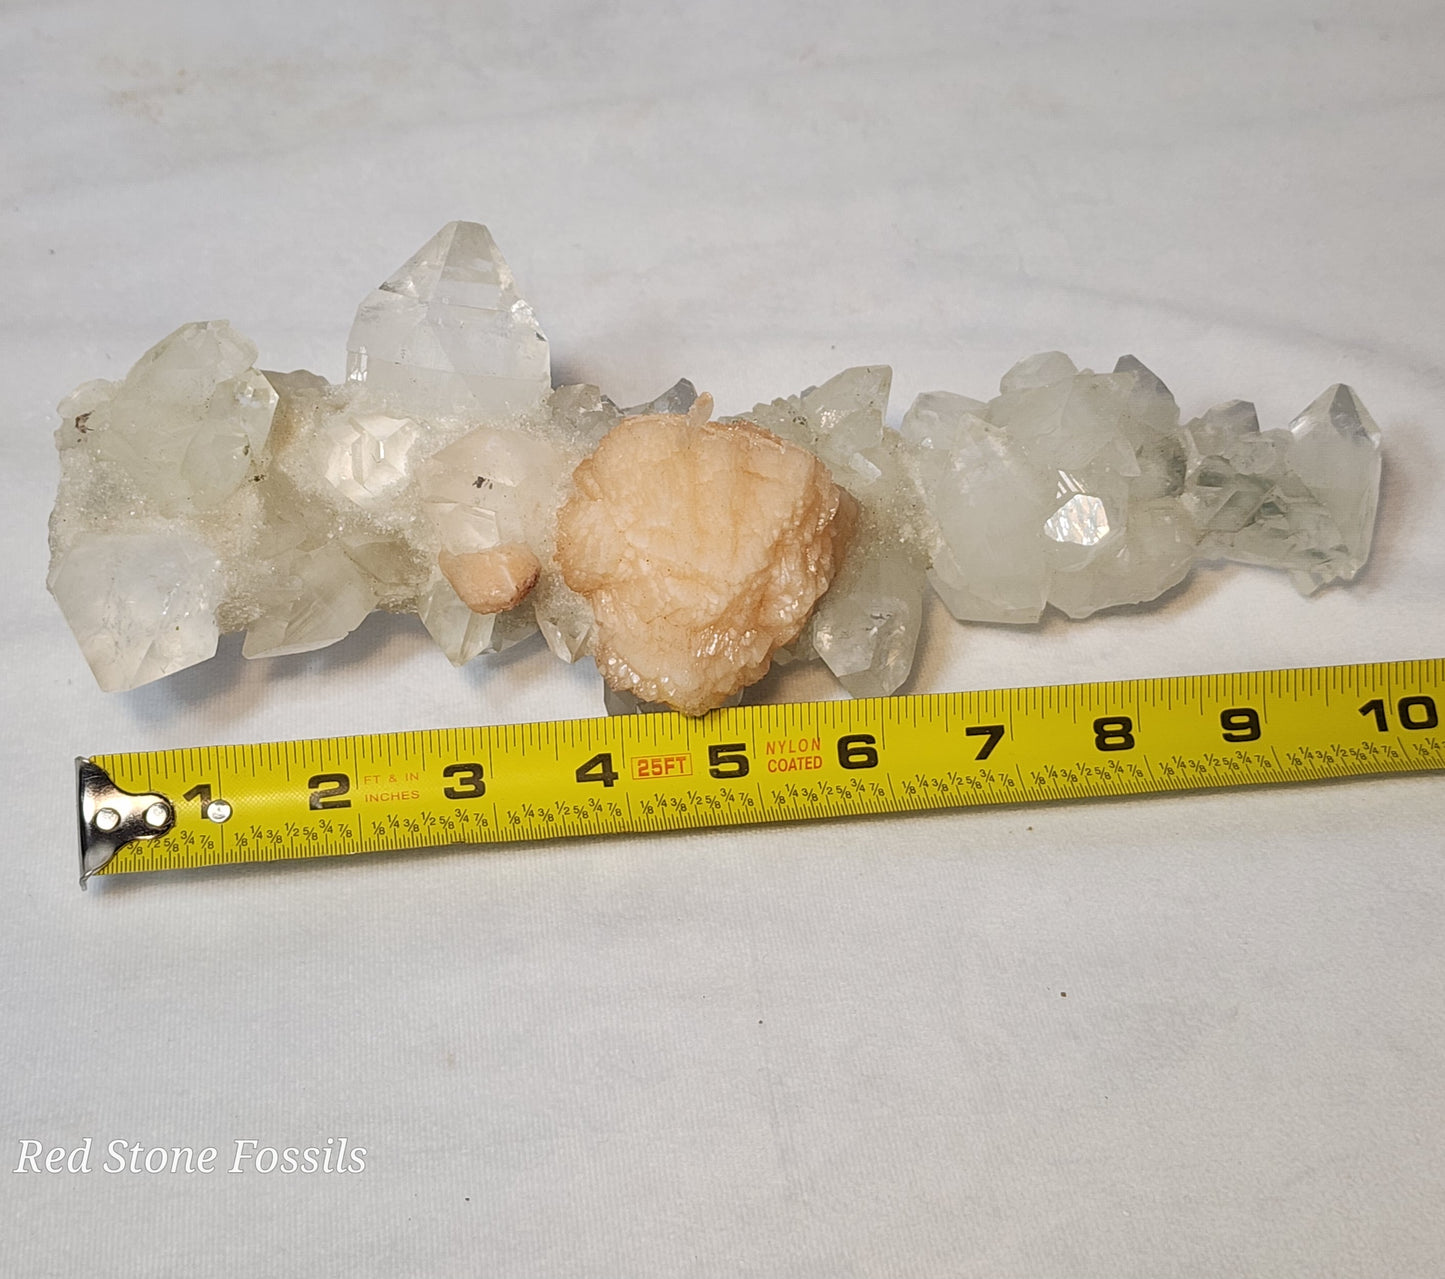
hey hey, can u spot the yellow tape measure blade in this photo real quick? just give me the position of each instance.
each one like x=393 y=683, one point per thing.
x=215 y=805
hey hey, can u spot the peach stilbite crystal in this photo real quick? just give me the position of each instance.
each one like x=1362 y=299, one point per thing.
x=491 y=581
x=702 y=548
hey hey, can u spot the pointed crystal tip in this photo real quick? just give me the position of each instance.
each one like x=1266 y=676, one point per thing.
x=448 y=333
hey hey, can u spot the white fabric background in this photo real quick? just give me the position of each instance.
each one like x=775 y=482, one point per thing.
x=1180 y=1036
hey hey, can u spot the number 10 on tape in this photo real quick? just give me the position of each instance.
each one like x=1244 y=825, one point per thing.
x=158 y=810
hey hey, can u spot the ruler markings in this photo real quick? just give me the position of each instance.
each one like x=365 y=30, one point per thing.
x=833 y=759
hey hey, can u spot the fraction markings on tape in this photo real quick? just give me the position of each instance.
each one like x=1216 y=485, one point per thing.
x=161 y=810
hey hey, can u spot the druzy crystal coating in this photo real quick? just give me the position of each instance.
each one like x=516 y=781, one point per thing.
x=446 y=476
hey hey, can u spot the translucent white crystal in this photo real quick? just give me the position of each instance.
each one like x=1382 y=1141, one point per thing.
x=317 y=598
x=494 y=486
x=449 y=334
x=1047 y=482
x=841 y=421
x=990 y=504
x=142 y=605
x=366 y=454
x=937 y=419
x=1301 y=499
x=1034 y=371
x=866 y=628
x=459 y=633
x=182 y=428
x=846 y=412
x=1153 y=554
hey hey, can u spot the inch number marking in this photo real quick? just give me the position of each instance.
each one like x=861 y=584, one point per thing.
x=858 y=750
x=598 y=769
x=1240 y=724
x=1414 y=712
x=1114 y=733
x=728 y=760
x=469 y=781
x=327 y=790
x=993 y=733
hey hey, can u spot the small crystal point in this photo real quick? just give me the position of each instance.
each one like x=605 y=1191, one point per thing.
x=1219 y=431
x=1147 y=376
x=845 y=417
x=935 y=419
x=564 y=618
x=448 y=332
x=1339 y=410
x=1035 y=371
x=678 y=398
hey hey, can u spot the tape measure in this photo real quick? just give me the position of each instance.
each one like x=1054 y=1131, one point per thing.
x=163 y=810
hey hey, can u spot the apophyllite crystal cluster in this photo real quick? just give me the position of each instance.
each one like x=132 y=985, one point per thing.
x=447 y=477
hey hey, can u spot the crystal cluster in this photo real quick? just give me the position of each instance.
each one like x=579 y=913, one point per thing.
x=445 y=476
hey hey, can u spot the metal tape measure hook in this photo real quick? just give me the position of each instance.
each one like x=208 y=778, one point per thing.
x=111 y=818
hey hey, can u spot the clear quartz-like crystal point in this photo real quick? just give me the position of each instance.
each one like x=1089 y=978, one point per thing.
x=846 y=417
x=459 y=633
x=1034 y=371
x=678 y=398
x=142 y=605
x=866 y=627
x=1301 y=499
x=1336 y=454
x=449 y=334
x=564 y=618
x=184 y=425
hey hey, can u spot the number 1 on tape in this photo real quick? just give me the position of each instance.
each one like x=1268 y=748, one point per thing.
x=158 y=810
